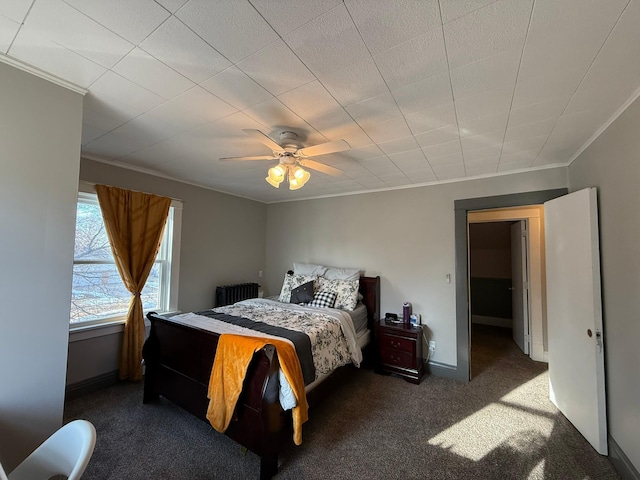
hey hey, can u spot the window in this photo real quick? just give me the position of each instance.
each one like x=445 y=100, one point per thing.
x=98 y=294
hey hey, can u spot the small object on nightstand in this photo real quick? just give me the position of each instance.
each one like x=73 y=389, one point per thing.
x=406 y=312
x=399 y=350
x=391 y=318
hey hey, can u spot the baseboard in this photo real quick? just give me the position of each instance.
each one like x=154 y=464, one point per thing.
x=621 y=462
x=91 y=385
x=447 y=371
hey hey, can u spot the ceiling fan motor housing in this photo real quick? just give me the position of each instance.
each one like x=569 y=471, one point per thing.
x=289 y=141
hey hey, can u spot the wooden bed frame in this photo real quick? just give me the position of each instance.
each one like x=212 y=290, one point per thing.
x=178 y=361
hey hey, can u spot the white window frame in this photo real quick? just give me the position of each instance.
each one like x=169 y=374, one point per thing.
x=168 y=287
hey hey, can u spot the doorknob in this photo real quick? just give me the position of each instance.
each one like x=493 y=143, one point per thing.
x=589 y=332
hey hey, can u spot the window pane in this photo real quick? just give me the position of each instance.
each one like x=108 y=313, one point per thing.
x=91 y=237
x=98 y=292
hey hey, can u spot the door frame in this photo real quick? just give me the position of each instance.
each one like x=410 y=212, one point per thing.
x=461 y=209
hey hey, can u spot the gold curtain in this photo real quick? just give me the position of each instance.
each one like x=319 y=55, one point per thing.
x=134 y=222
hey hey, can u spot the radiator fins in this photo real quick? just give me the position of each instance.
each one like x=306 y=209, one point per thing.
x=229 y=294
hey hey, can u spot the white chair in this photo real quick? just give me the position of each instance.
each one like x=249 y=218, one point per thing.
x=66 y=452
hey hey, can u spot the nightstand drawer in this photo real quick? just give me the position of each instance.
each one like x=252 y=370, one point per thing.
x=393 y=342
x=398 y=358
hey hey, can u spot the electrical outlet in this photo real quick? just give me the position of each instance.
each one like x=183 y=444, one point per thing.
x=432 y=346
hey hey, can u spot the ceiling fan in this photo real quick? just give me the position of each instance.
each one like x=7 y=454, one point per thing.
x=292 y=156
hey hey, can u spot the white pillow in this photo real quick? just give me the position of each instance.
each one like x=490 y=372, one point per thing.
x=291 y=282
x=308 y=269
x=335 y=273
x=346 y=291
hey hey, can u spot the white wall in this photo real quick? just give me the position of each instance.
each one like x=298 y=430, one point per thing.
x=405 y=236
x=612 y=164
x=40 y=128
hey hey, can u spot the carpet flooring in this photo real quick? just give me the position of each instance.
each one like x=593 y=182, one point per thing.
x=501 y=425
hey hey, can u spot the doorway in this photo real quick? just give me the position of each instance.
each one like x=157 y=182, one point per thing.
x=463 y=208
x=499 y=287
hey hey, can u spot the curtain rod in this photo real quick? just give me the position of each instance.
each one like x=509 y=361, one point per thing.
x=92 y=184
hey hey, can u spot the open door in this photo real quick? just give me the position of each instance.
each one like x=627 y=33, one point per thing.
x=519 y=285
x=574 y=314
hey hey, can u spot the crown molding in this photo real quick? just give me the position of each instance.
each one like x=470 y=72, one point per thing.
x=25 y=67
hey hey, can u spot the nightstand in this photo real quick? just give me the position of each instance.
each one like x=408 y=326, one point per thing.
x=399 y=350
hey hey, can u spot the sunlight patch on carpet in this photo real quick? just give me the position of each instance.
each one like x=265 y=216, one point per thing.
x=516 y=425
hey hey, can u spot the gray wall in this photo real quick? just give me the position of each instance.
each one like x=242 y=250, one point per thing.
x=222 y=242
x=612 y=164
x=40 y=129
x=405 y=236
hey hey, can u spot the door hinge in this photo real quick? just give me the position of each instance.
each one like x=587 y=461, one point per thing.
x=525 y=284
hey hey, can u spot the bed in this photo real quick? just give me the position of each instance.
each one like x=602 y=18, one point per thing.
x=179 y=355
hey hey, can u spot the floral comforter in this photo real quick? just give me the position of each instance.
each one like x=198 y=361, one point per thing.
x=331 y=331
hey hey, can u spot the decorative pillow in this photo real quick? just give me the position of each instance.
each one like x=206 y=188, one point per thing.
x=303 y=293
x=308 y=269
x=335 y=273
x=291 y=282
x=346 y=291
x=323 y=299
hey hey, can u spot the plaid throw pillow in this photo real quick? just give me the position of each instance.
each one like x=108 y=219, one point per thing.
x=323 y=300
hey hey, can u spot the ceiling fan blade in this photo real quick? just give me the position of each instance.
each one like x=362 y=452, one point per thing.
x=242 y=159
x=324 y=148
x=321 y=167
x=257 y=134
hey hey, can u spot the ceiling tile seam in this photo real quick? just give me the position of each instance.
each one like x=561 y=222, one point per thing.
x=237 y=65
x=112 y=31
x=151 y=54
x=465 y=14
x=386 y=85
x=166 y=9
x=247 y=112
x=168 y=66
x=325 y=89
x=592 y=138
x=515 y=84
x=166 y=138
x=455 y=110
x=192 y=31
x=310 y=71
x=298 y=28
x=20 y=27
x=103 y=26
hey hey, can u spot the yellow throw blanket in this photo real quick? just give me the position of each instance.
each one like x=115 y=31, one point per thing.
x=233 y=355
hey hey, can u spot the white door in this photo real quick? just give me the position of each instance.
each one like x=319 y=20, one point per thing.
x=519 y=285
x=574 y=314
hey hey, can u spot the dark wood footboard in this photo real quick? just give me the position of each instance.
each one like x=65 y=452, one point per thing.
x=178 y=361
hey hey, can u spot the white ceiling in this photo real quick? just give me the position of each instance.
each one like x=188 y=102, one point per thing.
x=424 y=91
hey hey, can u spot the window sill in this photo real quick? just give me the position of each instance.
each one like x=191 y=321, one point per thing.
x=84 y=332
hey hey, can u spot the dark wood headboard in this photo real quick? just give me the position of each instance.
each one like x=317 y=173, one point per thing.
x=370 y=290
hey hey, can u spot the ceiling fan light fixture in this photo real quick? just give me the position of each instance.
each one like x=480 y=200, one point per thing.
x=272 y=182
x=298 y=177
x=276 y=176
